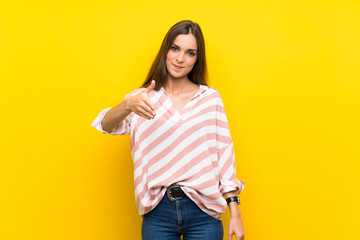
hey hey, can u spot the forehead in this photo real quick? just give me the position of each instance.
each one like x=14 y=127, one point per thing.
x=186 y=41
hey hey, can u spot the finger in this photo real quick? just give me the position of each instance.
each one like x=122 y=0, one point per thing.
x=142 y=113
x=146 y=112
x=151 y=86
x=148 y=109
x=229 y=236
x=149 y=104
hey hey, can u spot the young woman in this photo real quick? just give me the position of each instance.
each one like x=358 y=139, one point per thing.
x=184 y=162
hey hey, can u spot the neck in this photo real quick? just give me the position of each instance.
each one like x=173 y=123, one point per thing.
x=177 y=86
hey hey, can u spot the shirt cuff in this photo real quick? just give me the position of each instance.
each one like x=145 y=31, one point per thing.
x=238 y=187
x=97 y=122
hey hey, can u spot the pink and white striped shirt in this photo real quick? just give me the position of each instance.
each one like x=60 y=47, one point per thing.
x=193 y=150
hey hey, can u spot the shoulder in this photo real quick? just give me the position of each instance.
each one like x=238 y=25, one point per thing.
x=213 y=92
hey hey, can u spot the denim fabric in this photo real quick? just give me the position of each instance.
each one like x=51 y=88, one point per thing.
x=169 y=220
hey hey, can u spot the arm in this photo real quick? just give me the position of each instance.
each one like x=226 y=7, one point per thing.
x=122 y=128
x=115 y=116
x=116 y=120
x=229 y=184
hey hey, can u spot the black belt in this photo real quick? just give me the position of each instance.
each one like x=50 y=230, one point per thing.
x=175 y=193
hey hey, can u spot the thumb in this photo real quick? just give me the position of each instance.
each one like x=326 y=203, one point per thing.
x=151 y=86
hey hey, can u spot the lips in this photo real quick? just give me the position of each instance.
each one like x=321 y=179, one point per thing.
x=177 y=67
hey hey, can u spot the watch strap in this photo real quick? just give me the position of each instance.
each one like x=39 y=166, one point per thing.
x=233 y=199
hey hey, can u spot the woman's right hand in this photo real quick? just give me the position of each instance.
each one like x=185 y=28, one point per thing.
x=141 y=104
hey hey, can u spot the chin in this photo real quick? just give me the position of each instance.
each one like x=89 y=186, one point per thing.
x=175 y=76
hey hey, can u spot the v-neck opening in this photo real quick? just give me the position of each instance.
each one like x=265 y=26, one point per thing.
x=176 y=112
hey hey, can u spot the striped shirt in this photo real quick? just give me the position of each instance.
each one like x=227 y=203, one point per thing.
x=193 y=150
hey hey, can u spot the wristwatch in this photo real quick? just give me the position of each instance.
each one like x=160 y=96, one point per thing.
x=233 y=199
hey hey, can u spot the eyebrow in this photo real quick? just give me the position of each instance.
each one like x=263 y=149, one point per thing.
x=188 y=49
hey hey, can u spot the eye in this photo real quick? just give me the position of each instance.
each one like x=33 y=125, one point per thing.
x=174 y=48
x=191 y=53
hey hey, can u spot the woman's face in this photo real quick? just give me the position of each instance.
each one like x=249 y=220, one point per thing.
x=182 y=56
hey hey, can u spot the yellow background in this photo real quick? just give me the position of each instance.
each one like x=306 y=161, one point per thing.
x=288 y=73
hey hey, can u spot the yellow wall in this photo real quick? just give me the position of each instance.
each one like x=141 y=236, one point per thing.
x=289 y=75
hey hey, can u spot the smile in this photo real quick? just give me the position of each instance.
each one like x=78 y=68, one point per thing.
x=177 y=67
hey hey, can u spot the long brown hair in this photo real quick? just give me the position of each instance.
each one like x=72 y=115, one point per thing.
x=158 y=70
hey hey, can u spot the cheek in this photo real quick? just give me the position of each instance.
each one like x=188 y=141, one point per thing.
x=191 y=62
x=168 y=59
x=170 y=55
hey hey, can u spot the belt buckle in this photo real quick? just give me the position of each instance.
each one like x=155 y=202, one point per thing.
x=168 y=193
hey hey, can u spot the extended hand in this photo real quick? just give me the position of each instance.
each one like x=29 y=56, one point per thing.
x=141 y=104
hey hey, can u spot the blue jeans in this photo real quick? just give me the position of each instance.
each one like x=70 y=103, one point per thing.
x=169 y=220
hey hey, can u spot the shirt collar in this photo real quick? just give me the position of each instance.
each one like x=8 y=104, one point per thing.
x=202 y=89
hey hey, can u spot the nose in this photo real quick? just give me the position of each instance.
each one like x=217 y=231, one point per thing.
x=180 y=57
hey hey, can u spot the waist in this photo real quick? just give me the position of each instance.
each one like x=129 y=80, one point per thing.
x=175 y=193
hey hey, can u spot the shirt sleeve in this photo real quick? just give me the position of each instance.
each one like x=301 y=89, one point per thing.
x=122 y=128
x=226 y=154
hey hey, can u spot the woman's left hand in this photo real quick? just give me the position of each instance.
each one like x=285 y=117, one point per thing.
x=236 y=228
